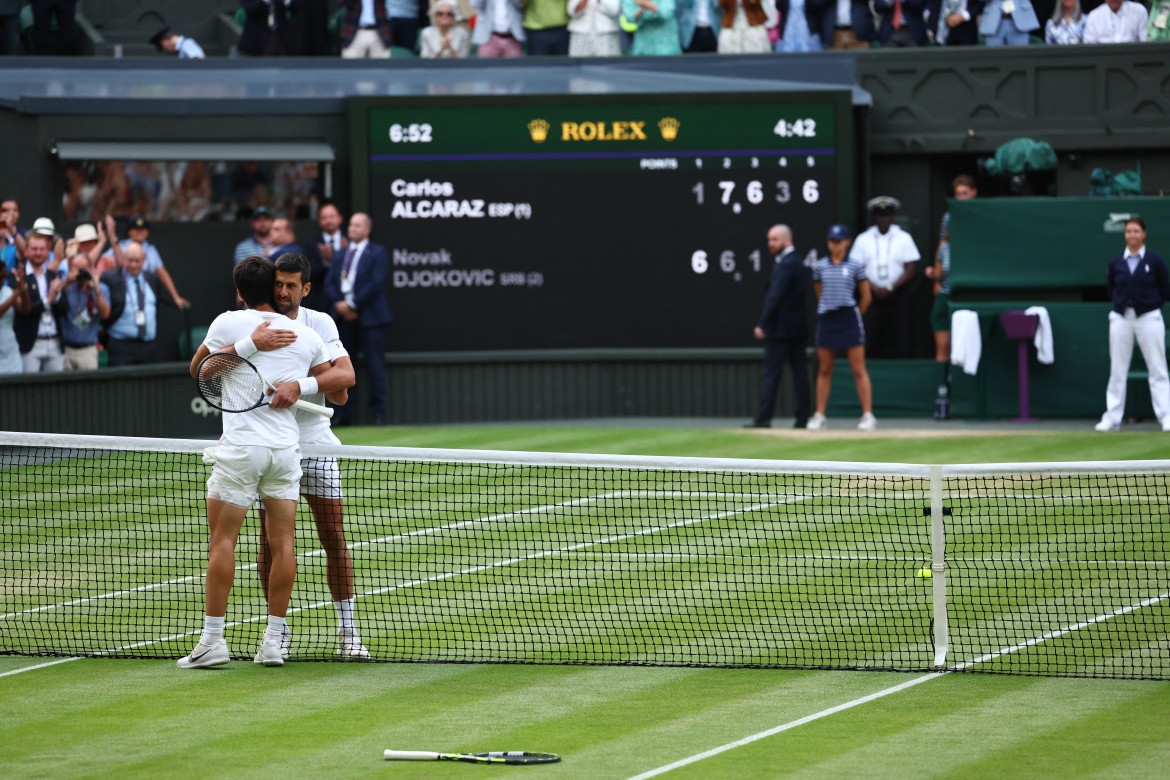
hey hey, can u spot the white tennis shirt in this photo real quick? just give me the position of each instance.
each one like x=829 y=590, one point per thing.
x=884 y=256
x=314 y=427
x=265 y=426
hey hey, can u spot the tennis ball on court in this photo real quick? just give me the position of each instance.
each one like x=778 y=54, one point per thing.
x=925 y=574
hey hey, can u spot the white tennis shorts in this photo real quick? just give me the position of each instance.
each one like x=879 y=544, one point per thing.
x=239 y=473
x=320 y=477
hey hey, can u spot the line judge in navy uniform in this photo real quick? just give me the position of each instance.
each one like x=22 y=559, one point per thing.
x=357 y=285
x=1138 y=283
x=783 y=327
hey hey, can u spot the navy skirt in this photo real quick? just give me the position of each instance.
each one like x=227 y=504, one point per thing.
x=840 y=329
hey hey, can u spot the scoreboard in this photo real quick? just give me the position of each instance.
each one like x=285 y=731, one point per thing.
x=595 y=221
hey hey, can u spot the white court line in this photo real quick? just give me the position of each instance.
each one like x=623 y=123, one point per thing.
x=41 y=666
x=314 y=554
x=898 y=688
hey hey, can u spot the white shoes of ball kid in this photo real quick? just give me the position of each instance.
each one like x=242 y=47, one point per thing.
x=816 y=422
x=205 y=656
x=270 y=652
x=868 y=422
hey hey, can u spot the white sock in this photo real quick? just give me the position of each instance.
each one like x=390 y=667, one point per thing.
x=344 y=611
x=212 y=629
x=275 y=628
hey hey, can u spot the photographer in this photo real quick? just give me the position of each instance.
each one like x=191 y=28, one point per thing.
x=88 y=306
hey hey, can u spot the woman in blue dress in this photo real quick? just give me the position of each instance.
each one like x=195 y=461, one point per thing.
x=796 y=32
x=842 y=297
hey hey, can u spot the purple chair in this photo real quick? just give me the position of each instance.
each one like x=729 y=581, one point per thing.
x=1022 y=327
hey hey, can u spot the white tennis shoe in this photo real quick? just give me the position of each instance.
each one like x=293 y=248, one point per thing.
x=270 y=652
x=286 y=643
x=1105 y=427
x=350 y=647
x=817 y=422
x=868 y=422
x=205 y=656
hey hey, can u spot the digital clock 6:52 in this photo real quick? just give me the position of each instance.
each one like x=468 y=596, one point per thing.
x=418 y=133
x=799 y=128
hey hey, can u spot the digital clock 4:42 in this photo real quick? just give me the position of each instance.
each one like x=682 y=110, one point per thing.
x=801 y=128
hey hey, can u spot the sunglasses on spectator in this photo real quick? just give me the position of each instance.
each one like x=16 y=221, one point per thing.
x=444 y=13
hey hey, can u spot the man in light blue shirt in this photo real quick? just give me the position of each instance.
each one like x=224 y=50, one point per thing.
x=173 y=43
x=134 y=295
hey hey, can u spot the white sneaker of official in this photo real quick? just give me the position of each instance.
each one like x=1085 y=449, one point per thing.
x=817 y=422
x=350 y=647
x=269 y=654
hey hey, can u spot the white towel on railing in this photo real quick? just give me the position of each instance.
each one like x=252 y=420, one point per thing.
x=966 y=340
x=1043 y=341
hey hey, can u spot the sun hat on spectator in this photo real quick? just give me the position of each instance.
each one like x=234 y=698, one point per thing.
x=45 y=227
x=85 y=232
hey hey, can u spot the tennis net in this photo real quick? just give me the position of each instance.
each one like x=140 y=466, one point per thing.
x=504 y=557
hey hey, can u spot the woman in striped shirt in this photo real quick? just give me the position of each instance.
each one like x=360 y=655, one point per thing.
x=842 y=297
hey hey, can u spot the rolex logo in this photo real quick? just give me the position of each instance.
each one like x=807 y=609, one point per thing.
x=538 y=129
x=668 y=126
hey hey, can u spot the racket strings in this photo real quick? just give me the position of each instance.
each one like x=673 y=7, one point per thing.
x=230 y=383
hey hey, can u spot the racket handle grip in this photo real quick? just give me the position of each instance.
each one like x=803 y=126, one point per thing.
x=410 y=755
x=324 y=411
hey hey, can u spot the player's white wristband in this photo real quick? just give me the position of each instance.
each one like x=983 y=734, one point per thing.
x=246 y=348
x=308 y=385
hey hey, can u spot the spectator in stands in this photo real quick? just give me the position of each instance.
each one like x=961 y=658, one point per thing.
x=594 y=29
x=743 y=26
x=657 y=32
x=256 y=243
x=365 y=33
x=44 y=12
x=357 y=286
x=1139 y=284
x=940 y=274
x=173 y=43
x=405 y=20
x=133 y=320
x=311 y=27
x=546 y=26
x=783 y=327
x=7 y=243
x=1159 y=27
x=695 y=33
x=331 y=243
x=801 y=26
x=1008 y=22
x=13 y=299
x=901 y=22
x=843 y=24
x=38 y=330
x=106 y=261
x=138 y=232
x=1067 y=25
x=499 y=28
x=890 y=258
x=88 y=306
x=1116 y=21
x=9 y=31
x=843 y=296
x=267 y=32
x=10 y=215
x=445 y=37
x=956 y=22
x=281 y=239
x=89 y=242
x=45 y=227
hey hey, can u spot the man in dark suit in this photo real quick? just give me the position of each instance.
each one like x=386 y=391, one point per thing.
x=43 y=13
x=134 y=296
x=10 y=26
x=783 y=327
x=281 y=239
x=357 y=284
x=39 y=330
x=267 y=32
x=330 y=244
x=365 y=31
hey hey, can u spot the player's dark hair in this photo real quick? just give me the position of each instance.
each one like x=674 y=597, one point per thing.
x=1140 y=222
x=294 y=262
x=255 y=279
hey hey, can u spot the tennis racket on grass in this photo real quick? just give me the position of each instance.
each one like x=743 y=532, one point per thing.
x=231 y=383
x=504 y=757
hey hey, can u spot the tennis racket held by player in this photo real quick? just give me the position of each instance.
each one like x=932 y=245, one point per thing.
x=231 y=383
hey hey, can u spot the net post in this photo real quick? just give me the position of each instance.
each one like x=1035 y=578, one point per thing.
x=938 y=565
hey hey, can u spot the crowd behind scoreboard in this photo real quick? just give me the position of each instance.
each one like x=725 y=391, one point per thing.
x=599 y=28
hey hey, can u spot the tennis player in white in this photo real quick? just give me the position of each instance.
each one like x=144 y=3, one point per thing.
x=321 y=478
x=259 y=453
